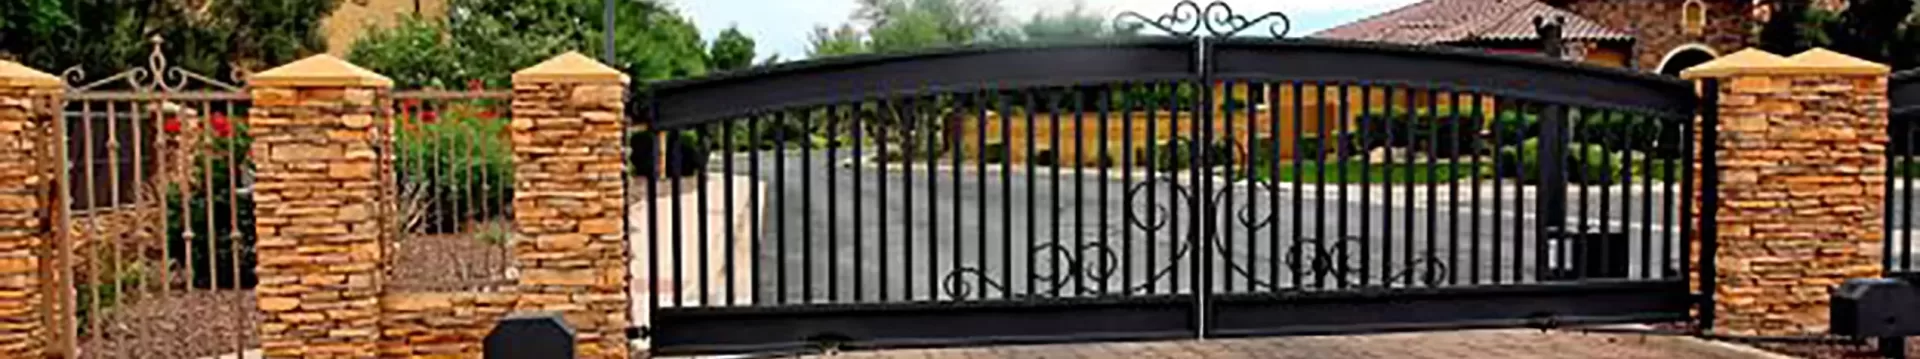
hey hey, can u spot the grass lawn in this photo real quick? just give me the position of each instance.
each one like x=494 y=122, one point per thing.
x=1355 y=172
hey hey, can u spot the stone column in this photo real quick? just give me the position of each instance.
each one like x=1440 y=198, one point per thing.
x=569 y=199
x=29 y=100
x=317 y=195
x=1802 y=154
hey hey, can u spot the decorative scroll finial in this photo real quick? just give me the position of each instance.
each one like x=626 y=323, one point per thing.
x=1218 y=19
x=157 y=75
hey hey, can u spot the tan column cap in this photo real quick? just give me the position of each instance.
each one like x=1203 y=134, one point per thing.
x=319 y=71
x=1753 y=61
x=13 y=74
x=570 y=67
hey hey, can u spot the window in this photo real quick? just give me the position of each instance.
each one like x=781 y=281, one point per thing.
x=1693 y=17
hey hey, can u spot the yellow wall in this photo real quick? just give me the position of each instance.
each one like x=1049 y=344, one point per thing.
x=1243 y=128
x=1606 y=57
x=351 y=20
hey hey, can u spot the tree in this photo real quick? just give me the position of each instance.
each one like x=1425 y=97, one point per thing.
x=415 y=53
x=655 y=42
x=841 y=41
x=490 y=39
x=1883 y=31
x=208 y=37
x=1075 y=24
x=904 y=25
x=732 y=50
x=1786 y=30
x=1870 y=28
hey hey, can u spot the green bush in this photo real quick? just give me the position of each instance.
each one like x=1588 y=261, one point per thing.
x=1623 y=132
x=104 y=291
x=454 y=170
x=1514 y=127
x=1355 y=172
x=1447 y=130
x=1661 y=170
x=993 y=152
x=1585 y=163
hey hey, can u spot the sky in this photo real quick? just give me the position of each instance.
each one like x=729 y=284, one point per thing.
x=781 y=26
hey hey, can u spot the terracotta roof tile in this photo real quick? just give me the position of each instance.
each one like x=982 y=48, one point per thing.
x=1449 y=21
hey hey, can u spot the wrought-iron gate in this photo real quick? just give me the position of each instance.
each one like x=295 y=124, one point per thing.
x=1200 y=184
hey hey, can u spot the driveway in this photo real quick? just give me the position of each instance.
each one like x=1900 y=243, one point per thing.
x=1516 y=343
x=835 y=232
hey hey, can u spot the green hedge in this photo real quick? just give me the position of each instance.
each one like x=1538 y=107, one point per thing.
x=1586 y=163
x=1354 y=172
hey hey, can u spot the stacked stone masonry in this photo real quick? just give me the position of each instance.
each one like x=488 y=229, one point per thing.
x=568 y=209
x=25 y=126
x=439 y=325
x=1803 y=180
x=320 y=235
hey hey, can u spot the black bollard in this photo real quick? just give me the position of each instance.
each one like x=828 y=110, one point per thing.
x=530 y=336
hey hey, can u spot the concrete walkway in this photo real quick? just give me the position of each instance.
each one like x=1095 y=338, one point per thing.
x=1511 y=343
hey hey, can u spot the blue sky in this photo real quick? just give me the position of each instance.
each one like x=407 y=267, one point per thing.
x=781 y=26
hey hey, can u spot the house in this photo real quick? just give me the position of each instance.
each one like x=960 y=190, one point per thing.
x=352 y=19
x=1662 y=36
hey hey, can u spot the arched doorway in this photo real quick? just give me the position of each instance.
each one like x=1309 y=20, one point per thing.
x=1685 y=57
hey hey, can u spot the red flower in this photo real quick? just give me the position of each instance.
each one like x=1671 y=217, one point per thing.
x=429 y=116
x=475 y=85
x=171 y=125
x=488 y=114
x=221 y=127
x=412 y=102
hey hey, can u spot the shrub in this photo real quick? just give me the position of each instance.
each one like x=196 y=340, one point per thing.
x=1445 y=130
x=993 y=152
x=460 y=166
x=105 y=292
x=1623 y=132
x=1585 y=163
x=1177 y=154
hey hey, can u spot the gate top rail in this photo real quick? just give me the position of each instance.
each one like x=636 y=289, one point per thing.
x=853 y=78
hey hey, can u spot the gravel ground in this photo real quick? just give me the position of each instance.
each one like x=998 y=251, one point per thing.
x=446 y=261
x=180 y=325
x=205 y=323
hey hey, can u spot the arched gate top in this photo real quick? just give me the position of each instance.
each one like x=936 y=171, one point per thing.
x=959 y=70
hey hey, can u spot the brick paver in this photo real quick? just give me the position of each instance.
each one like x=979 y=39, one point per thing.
x=1515 y=343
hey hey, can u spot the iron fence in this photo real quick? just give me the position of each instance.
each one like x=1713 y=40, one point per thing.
x=155 y=234
x=1904 y=97
x=454 y=173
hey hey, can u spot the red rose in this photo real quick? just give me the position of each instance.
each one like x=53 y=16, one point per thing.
x=475 y=85
x=429 y=116
x=489 y=114
x=171 y=125
x=221 y=127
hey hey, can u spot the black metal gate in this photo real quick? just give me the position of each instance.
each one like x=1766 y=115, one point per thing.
x=1194 y=185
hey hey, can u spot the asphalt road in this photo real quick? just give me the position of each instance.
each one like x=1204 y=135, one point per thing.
x=834 y=233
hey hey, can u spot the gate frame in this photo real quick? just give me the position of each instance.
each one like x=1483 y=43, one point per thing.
x=1202 y=59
